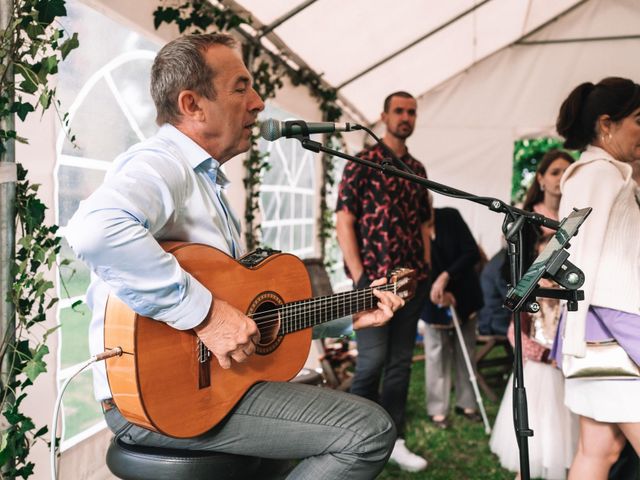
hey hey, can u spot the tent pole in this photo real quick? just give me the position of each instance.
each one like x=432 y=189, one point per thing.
x=7 y=216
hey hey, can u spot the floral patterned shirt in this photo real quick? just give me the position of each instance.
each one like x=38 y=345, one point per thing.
x=389 y=213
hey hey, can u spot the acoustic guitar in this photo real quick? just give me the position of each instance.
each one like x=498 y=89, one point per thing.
x=167 y=381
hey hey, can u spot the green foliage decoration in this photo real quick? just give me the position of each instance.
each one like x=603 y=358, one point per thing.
x=199 y=15
x=31 y=47
x=527 y=153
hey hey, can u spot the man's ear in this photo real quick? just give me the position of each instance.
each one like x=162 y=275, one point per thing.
x=189 y=105
x=383 y=117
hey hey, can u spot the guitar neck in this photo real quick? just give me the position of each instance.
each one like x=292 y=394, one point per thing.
x=303 y=314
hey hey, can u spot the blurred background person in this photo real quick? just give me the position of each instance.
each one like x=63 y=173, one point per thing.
x=382 y=222
x=454 y=254
x=493 y=318
x=543 y=196
x=603 y=121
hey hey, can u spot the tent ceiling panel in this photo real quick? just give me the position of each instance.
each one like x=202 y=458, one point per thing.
x=411 y=44
x=617 y=19
x=341 y=39
x=414 y=70
x=270 y=10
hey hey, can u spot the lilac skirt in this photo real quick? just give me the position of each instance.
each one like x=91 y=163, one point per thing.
x=608 y=401
x=605 y=324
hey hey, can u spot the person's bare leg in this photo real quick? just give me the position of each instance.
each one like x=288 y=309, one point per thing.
x=599 y=446
x=632 y=432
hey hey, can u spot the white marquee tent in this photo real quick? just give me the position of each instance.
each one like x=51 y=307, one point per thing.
x=486 y=73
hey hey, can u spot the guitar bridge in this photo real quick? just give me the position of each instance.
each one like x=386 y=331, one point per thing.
x=204 y=366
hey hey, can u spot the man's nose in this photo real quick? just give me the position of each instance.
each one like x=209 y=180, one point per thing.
x=256 y=105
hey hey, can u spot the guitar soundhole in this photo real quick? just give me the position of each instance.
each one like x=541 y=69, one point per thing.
x=265 y=312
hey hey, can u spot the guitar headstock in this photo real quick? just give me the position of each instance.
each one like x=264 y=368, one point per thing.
x=405 y=281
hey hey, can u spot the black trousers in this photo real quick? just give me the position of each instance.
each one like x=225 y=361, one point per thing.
x=383 y=366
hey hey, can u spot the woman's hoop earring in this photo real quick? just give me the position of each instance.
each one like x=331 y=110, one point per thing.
x=542 y=187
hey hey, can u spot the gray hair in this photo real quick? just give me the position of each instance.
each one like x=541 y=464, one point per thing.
x=181 y=65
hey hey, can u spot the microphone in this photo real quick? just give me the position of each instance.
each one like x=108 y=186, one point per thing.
x=272 y=129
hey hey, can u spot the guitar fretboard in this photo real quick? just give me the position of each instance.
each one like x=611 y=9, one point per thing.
x=303 y=314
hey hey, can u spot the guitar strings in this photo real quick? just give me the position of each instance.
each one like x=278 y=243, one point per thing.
x=272 y=316
x=310 y=302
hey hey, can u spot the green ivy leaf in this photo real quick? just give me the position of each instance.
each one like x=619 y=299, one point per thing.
x=49 y=66
x=30 y=80
x=22 y=109
x=45 y=99
x=68 y=45
x=165 y=15
x=35 y=366
x=48 y=10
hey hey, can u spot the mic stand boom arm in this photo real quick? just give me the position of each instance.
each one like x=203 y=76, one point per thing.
x=492 y=203
x=512 y=228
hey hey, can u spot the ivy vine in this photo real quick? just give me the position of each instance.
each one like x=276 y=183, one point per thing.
x=31 y=46
x=198 y=16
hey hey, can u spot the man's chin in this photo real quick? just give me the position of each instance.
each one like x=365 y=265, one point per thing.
x=402 y=135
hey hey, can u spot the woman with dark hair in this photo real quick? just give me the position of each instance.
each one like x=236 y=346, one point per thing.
x=543 y=196
x=603 y=121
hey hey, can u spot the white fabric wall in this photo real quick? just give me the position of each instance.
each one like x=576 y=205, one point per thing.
x=467 y=126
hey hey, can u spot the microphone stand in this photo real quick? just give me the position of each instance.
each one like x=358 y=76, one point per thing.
x=515 y=219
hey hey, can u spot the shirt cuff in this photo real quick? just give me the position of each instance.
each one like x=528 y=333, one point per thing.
x=193 y=308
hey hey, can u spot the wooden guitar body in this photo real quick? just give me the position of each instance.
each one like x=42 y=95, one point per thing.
x=163 y=383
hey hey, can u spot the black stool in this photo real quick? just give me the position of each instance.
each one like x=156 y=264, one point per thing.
x=132 y=462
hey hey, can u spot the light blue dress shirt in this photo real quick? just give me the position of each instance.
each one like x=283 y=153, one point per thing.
x=164 y=188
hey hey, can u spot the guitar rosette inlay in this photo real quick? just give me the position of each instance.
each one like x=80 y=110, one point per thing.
x=265 y=311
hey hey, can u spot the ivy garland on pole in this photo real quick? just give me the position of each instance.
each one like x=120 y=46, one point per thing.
x=31 y=46
x=199 y=15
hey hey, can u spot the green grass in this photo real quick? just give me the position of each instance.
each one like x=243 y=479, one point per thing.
x=460 y=452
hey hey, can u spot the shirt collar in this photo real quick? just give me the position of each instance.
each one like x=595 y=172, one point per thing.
x=192 y=152
x=383 y=152
x=217 y=175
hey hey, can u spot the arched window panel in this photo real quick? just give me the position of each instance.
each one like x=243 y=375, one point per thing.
x=104 y=86
x=74 y=327
x=288 y=193
x=75 y=183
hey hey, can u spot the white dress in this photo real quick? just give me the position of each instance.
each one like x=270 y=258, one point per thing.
x=555 y=428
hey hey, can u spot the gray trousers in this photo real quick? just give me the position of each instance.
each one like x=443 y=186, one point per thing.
x=442 y=354
x=337 y=435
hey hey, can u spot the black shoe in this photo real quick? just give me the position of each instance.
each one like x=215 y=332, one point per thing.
x=472 y=416
x=440 y=424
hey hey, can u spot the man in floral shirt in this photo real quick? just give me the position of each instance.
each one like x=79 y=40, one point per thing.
x=383 y=223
